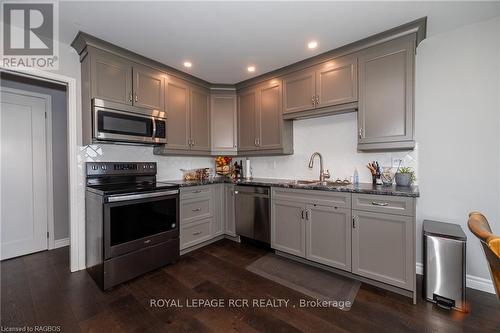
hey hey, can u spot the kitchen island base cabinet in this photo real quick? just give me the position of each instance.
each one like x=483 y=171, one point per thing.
x=383 y=248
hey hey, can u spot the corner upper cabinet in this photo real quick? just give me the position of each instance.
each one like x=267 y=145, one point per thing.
x=261 y=128
x=385 y=109
x=149 y=87
x=177 y=106
x=223 y=118
x=200 y=119
x=110 y=77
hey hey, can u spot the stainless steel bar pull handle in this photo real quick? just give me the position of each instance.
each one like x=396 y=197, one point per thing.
x=136 y=98
x=360 y=133
x=354 y=222
x=307 y=214
x=383 y=204
x=197 y=233
x=313 y=100
x=130 y=97
x=302 y=214
x=196 y=210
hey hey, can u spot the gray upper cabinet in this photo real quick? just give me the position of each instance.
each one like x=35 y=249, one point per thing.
x=328 y=232
x=247 y=133
x=188 y=119
x=110 y=77
x=288 y=227
x=333 y=83
x=149 y=87
x=177 y=105
x=200 y=119
x=261 y=128
x=385 y=114
x=269 y=119
x=337 y=82
x=223 y=117
x=299 y=91
x=383 y=248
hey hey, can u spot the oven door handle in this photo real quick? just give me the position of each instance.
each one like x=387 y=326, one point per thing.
x=120 y=198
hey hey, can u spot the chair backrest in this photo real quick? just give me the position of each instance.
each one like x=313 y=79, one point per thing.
x=479 y=226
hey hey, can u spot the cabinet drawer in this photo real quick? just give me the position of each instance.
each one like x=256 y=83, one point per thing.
x=384 y=204
x=196 y=192
x=195 y=233
x=323 y=198
x=196 y=209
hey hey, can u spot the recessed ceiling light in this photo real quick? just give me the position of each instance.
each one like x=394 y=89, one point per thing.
x=251 y=69
x=187 y=64
x=312 y=44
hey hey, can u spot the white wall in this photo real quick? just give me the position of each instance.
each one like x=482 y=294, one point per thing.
x=457 y=123
x=458 y=139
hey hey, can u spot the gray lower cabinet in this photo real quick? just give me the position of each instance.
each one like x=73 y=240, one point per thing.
x=288 y=227
x=383 y=248
x=385 y=107
x=328 y=235
x=318 y=232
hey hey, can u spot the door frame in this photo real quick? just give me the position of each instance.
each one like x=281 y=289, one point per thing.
x=48 y=153
x=76 y=224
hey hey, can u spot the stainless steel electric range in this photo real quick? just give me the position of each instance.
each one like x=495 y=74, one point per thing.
x=132 y=221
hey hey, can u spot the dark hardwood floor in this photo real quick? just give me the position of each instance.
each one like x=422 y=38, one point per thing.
x=38 y=289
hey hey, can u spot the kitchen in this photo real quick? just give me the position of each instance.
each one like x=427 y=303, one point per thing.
x=318 y=143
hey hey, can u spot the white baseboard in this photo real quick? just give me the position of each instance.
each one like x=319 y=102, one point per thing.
x=61 y=242
x=472 y=281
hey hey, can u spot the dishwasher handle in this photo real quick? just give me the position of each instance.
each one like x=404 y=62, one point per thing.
x=252 y=190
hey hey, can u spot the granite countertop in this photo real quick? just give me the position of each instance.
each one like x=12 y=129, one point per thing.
x=367 y=188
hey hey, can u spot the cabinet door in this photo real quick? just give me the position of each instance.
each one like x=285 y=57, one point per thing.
x=299 y=91
x=247 y=109
x=149 y=87
x=337 y=82
x=288 y=227
x=230 y=227
x=177 y=99
x=224 y=121
x=200 y=119
x=385 y=112
x=110 y=77
x=328 y=236
x=383 y=248
x=269 y=116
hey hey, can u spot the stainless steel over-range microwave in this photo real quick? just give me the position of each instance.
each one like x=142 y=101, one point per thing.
x=115 y=122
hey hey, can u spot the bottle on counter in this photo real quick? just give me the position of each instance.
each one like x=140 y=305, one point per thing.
x=355 y=177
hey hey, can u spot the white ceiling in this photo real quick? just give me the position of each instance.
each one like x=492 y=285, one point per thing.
x=222 y=38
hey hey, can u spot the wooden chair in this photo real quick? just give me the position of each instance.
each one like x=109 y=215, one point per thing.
x=479 y=226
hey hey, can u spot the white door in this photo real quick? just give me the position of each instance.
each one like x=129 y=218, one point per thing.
x=23 y=147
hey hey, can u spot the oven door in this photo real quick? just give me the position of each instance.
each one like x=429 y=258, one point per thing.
x=113 y=125
x=132 y=222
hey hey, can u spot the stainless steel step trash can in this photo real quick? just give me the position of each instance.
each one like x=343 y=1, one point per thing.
x=444 y=264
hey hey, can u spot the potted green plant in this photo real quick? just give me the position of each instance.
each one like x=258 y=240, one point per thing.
x=405 y=176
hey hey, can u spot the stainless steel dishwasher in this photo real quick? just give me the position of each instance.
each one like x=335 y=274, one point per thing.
x=252 y=212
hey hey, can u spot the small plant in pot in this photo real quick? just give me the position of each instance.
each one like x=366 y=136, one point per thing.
x=405 y=176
